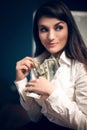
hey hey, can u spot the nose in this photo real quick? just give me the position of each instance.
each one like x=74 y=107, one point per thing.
x=51 y=35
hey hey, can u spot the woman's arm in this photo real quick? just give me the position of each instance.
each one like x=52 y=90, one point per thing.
x=28 y=103
x=23 y=68
x=72 y=112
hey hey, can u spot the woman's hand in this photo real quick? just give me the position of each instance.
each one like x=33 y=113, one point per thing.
x=40 y=86
x=23 y=67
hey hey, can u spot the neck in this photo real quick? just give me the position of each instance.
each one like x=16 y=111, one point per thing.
x=57 y=55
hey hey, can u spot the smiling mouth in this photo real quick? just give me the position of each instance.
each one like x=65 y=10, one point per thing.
x=51 y=44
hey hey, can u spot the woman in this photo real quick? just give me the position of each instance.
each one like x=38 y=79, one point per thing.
x=63 y=98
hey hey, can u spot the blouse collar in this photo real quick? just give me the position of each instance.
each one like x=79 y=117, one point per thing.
x=62 y=59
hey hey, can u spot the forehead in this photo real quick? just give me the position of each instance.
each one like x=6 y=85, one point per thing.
x=49 y=21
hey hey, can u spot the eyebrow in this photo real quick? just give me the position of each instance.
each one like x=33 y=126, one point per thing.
x=61 y=22
x=54 y=25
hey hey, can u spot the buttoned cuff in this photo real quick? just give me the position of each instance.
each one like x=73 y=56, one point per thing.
x=20 y=86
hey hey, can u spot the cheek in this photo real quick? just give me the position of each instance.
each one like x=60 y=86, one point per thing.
x=66 y=34
x=42 y=39
x=64 y=37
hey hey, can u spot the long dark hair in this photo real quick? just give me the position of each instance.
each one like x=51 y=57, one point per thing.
x=75 y=47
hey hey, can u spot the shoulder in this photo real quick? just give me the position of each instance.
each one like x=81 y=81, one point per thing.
x=80 y=70
x=79 y=66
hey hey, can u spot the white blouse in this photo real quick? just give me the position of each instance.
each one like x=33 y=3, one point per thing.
x=67 y=105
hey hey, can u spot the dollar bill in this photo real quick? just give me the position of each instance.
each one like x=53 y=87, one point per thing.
x=47 y=69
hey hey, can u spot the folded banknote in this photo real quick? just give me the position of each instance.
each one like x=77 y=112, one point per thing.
x=46 y=69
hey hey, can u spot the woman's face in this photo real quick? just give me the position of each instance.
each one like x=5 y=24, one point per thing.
x=53 y=34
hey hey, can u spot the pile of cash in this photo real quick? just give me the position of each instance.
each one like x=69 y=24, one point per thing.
x=47 y=69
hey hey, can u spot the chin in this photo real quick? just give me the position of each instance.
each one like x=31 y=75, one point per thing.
x=53 y=52
x=56 y=53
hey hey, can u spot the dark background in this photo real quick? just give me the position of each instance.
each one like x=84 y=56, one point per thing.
x=16 y=43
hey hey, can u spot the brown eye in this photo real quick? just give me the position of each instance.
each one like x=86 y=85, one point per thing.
x=59 y=27
x=43 y=29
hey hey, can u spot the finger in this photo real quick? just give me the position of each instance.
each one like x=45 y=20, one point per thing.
x=29 y=89
x=28 y=58
x=26 y=61
x=30 y=84
x=31 y=61
x=33 y=81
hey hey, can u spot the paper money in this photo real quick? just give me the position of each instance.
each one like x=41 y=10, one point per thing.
x=47 y=69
